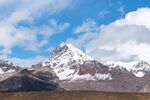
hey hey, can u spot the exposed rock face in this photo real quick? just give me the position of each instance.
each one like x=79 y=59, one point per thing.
x=14 y=78
x=7 y=69
x=26 y=81
x=46 y=73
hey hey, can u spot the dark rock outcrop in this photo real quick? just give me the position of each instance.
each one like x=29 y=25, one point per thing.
x=26 y=81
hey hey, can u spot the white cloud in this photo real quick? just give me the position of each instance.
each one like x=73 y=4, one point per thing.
x=53 y=28
x=87 y=26
x=103 y=13
x=139 y=17
x=124 y=40
x=88 y=30
x=12 y=34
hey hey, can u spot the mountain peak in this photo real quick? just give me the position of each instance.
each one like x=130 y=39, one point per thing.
x=7 y=67
x=64 y=57
x=143 y=63
x=66 y=53
x=67 y=49
x=5 y=62
x=141 y=68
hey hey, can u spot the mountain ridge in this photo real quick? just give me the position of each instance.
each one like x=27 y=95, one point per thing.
x=73 y=69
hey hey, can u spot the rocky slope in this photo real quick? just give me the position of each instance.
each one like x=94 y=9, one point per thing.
x=7 y=69
x=24 y=80
x=14 y=78
x=78 y=71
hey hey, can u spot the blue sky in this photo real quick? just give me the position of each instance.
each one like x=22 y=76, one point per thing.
x=31 y=29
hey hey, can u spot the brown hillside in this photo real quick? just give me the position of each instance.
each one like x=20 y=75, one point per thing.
x=82 y=95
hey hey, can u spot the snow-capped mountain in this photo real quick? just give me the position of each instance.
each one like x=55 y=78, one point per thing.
x=70 y=63
x=77 y=71
x=14 y=78
x=72 y=69
x=65 y=53
x=140 y=69
x=7 y=67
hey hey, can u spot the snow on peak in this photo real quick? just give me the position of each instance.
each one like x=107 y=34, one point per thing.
x=7 y=67
x=140 y=68
x=65 y=53
x=120 y=65
x=6 y=62
x=142 y=64
x=76 y=53
x=63 y=58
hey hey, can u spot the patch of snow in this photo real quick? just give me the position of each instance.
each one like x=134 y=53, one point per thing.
x=4 y=67
x=90 y=77
x=138 y=68
x=141 y=68
x=5 y=76
x=103 y=76
x=1 y=71
x=82 y=77
x=64 y=74
x=143 y=65
x=10 y=71
x=139 y=74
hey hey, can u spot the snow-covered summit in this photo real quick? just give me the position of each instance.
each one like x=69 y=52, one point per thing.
x=141 y=68
x=138 y=68
x=70 y=63
x=65 y=53
x=67 y=62
x=71 y=50
x=7 y=67
x=64 y=57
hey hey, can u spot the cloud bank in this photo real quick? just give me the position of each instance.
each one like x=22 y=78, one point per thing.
x=14 y=34
x=124 y=40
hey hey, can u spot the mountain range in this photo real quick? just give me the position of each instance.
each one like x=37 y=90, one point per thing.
x=69 y=68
